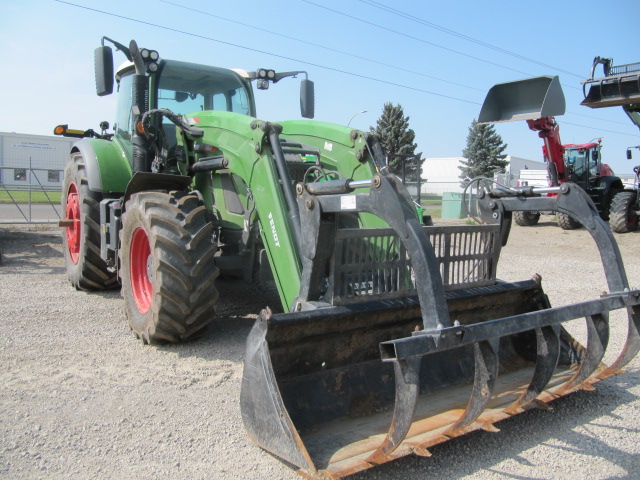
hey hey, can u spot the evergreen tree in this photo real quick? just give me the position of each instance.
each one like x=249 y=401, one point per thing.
x=483 y=154
x=397 y=139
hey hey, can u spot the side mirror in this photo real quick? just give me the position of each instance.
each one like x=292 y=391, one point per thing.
x=594 y=155
x=104 y=70
x=307 y=105
x=629 y=155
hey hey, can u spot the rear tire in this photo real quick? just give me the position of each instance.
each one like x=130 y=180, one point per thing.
x=81 y=241
x=567 y=222
x=526 y=219
x=167 y=266
x=622 y=216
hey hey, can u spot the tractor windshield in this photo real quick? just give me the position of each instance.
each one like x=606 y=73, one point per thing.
x=580 y=163
x=188 y=88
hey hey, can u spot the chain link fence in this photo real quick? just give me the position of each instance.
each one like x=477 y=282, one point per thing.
x=30 y=195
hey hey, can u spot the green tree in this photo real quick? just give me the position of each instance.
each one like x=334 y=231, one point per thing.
x=397 y=139
x=484 y=153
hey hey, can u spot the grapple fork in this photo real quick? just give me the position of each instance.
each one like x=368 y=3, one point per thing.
x=369 y=371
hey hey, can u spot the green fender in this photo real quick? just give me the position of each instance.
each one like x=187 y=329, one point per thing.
x=106 y=164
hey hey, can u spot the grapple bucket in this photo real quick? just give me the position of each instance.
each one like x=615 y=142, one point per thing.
x=527 y=99
x=383 y=372
x=620 y=87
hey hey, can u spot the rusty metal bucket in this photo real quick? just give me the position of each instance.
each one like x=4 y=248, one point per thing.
x=527 y=99
x=317 y=393
x=337 y=390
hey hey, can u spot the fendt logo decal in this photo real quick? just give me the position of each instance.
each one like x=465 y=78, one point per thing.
x=273 y=230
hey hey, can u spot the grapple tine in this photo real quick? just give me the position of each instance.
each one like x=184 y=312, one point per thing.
x=486 y=371
x=548 y=353
x=631 y=346
x=597 y=341
x=407 y=374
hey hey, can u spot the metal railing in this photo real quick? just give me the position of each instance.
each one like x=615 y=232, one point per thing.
x=624 y=69
x=29 y=195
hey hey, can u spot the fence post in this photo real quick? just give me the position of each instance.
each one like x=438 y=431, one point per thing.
x=30 y=180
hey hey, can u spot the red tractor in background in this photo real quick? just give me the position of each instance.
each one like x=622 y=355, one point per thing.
x=577 y=163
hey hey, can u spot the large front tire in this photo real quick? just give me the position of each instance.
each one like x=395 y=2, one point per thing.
x=81 y=237
x=622 y=216
x=167 y=266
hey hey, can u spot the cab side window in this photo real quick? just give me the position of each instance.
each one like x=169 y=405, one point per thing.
x=124 y=120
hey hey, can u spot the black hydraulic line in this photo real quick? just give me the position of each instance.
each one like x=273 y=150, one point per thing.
x=287 y=186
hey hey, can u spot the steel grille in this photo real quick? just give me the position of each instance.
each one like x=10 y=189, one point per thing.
x=468 y=255
x=373 y=264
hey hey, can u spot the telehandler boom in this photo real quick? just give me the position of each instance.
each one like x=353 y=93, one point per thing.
x=391 y=336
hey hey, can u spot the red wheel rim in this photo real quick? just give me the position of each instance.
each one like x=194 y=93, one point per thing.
x=72 y=213
x=140 y=270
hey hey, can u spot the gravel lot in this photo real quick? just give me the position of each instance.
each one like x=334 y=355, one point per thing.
x=80 y=398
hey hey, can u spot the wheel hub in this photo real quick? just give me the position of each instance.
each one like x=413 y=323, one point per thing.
x=141 y=264
x=72 y=213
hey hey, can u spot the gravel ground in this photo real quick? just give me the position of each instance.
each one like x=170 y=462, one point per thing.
x=80 y=398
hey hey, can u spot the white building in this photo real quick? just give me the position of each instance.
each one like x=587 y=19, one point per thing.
x=36 y=160
x=443 y=174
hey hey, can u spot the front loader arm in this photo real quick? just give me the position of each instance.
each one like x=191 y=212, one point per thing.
x=244 y=144
x=549 y=131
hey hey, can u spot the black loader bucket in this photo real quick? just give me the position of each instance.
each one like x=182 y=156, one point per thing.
x=527 y=99
x=421 y=343
x=619 y=87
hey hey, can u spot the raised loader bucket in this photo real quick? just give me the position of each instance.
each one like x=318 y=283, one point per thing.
x=619 y=89
x=342 y=388
x=527 y=99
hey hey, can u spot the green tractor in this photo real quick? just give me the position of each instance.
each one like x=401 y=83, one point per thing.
x=392 y=333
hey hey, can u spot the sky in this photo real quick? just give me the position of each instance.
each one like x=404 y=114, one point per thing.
x=435 y=59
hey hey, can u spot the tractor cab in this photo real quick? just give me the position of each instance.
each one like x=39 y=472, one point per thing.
x=583 y=163
x=183 y=88
x=186 y=88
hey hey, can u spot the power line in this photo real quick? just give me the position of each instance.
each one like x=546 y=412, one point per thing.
x=599 y=129
x=452 y=32
x=284 y=57
x=365 y=77
x=626 y=124
x=421 y=21
x=324 y=47
x=421 y=40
